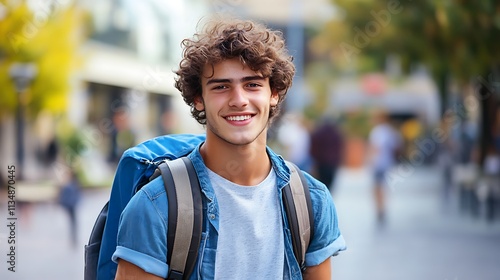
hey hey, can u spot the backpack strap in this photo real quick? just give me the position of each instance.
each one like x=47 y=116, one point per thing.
x=185 y=216
x=298 y=207
x=183 y=247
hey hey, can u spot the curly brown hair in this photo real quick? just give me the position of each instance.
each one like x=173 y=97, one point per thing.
x=261 y=49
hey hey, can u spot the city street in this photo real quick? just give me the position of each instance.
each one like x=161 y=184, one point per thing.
x=88 y=86
x=422 y=238
x=44 y=249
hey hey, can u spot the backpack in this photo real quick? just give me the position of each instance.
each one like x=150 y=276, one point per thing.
x=185 y=207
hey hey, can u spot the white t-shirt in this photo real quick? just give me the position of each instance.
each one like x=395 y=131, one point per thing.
x=251 y=242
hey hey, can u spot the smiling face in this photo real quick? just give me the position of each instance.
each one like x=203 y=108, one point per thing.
x=236 y=101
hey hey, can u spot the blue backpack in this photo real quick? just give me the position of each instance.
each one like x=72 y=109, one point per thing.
x=165 y=156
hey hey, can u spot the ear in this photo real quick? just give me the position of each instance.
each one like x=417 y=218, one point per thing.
x=198 y=103
x=274 y=98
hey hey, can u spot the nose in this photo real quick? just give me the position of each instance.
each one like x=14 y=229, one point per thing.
x=238 y=97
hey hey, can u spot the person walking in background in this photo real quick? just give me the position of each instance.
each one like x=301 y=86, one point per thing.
x=326 y=150
x=234 y=75
x=445 y=161
x=294 y=136
x=69 y=197
x=122 y=134
x=385 y=145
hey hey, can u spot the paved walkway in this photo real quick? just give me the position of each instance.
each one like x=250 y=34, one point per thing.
x=422 y=238
x=44 y=249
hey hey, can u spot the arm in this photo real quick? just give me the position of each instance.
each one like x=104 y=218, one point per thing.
x=327 y=240
x=323 y=271
x=141 y=238
x=129 y=271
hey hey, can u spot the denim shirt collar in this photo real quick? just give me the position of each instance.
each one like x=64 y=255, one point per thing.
x=278 y=165
x=277 y=162
x=212 y=210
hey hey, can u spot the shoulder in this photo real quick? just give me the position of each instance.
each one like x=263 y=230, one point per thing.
x=153 y=189
x=146 y=206
x=150 y=196
x=319 y=192
x=322 y=202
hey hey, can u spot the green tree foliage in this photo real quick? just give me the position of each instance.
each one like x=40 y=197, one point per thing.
x=48 y=37
x=455 y=38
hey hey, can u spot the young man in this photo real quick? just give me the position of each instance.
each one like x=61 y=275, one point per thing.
x=234 y=75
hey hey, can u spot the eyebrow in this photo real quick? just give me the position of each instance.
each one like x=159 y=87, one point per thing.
x=244 y=79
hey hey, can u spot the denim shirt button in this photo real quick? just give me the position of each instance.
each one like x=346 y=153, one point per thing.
x=212 y=216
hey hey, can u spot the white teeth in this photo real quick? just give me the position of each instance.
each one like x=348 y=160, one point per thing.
x=238 y=118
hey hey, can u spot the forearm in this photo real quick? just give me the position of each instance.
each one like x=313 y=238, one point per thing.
x=129 y=271
x=323 y=271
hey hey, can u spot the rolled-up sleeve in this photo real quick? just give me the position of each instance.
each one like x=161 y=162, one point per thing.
x=142 y=235
x=327 y=240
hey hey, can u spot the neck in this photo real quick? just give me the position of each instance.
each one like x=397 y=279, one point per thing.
x=245 y=165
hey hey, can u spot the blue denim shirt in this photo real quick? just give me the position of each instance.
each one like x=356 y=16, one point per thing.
x=143 y=225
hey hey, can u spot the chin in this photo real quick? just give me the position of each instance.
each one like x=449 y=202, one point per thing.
x=240 y=140
x=242 y=137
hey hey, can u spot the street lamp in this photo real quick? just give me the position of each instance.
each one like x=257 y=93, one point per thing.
x=21 y=74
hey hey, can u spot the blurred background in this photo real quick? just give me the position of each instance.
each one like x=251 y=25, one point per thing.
x=82 y=81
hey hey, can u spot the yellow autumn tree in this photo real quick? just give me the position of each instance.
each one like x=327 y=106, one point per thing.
x=46 y=36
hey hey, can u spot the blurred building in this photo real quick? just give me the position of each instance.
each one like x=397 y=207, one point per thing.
x=133 y=49
x=414 y=98
x=412 y=104
x=128 y=62
x=125 y=91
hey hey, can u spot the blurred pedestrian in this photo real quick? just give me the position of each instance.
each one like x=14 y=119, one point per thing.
x=385 y=145
x=122 y=134
x=489 y=186
x=69 y=197
x=445 y=152
x=326 y=150
x=294 y=136
x=491 y=172
x=467 y=169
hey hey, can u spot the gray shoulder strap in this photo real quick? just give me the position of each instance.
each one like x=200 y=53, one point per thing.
x=299 y=212
x=184 y=216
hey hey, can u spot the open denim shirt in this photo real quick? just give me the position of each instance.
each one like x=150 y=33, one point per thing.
x=143 y=225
